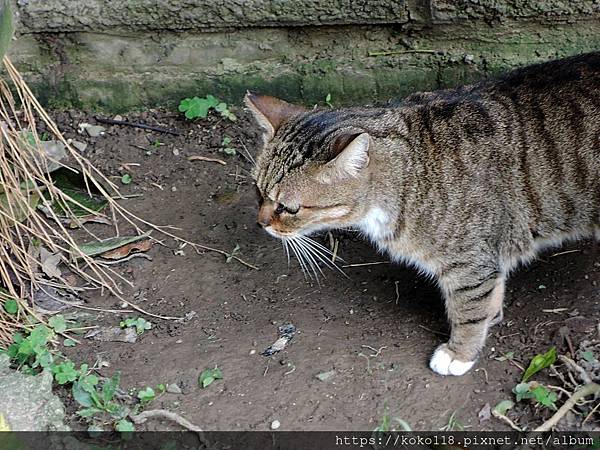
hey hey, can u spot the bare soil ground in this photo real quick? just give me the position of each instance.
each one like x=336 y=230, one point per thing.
x=376 y=329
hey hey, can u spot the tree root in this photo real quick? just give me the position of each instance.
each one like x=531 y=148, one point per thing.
x=174 y=417
x=588 y=389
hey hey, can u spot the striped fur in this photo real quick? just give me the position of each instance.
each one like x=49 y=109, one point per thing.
x=464 y=183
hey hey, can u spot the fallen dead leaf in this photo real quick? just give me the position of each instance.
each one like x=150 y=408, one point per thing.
x=50 y=262
x=485 y=413
x=122 y=252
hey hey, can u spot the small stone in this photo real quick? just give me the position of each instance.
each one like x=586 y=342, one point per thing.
x=94 y=130
x=252 y=352
x=324 y=376
x=275 y=424
x=173 y=389
x=469 y=59
x=176 y=152
x=118 y=117
x=81 y=146
x=173 y=189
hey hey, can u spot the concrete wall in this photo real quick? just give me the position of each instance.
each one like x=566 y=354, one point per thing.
x=119 y=55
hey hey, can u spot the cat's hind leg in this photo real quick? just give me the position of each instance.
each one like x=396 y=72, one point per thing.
x=474 y=298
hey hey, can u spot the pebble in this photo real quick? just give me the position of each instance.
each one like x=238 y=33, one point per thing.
x=81 y=146
x=173 y=389
x=324 y=376
x=275 y=424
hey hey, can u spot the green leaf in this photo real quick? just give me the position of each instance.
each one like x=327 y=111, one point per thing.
x=211 y=101
x=110 y=386
x=146 y=395
x=208 y=376
x=521 y=390
x=503 y=407
x=81 y=396
x=58 y=323
x=43 y=358
x=65 y=372
x=11 y=306
x=69 y=343
x=229 y=151
x=544 y=396
x=95 y=248
x=184 y=104
x=124 y=425
x=126 y=179
x=89 y=412
x=74 y=185
x=540 y=362
x=587 y=355
x=18 y=208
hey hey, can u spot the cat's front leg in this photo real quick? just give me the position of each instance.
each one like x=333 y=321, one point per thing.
x=473 y=300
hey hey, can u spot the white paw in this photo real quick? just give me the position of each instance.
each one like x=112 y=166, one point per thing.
x=443 y=363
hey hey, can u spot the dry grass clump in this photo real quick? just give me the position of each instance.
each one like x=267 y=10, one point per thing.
x=25 y=187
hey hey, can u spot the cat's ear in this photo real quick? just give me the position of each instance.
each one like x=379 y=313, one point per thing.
x=270 y=112
x=352 y=155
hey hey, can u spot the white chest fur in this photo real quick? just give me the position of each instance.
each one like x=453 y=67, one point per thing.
x=376 y=224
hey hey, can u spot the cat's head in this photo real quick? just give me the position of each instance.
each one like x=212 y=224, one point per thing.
x=312 y=170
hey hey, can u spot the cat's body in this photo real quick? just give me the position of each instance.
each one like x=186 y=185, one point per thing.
x=465 y=183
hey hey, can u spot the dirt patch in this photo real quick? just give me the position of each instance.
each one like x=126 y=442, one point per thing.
x=369 y=335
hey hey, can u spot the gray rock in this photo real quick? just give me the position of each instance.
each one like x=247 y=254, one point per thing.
x=174 y=389
x=81 y=146
x=324 y=376
x=27 y=402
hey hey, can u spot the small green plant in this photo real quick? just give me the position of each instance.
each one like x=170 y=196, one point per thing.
x=32 y=352
x=146 y=395
x=208 y=376
x=328 y=100
x=505 y=356
x=539 y=393
x=453 y=424
x=227 y=147
x=387 y=423
x=539 y=362
x=126 y=179
x=139 y=323
x=11 y=306
x=196 y=107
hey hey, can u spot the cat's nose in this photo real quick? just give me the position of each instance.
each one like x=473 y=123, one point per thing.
x=265 y=213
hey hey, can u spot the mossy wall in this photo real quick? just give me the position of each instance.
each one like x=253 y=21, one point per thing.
x=135 y=54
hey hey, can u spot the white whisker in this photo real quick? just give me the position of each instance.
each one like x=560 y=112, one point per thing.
x=308 y=253
x=319 y=254
x=296 y=251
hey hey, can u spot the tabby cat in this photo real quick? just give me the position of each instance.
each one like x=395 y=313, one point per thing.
x=465 y=183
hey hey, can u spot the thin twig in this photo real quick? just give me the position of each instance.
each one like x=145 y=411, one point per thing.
x=365 y=264
x=204 y=158
x=138 y=125
x=400 y=52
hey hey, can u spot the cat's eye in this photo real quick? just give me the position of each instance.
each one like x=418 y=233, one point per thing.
x=281 y=208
